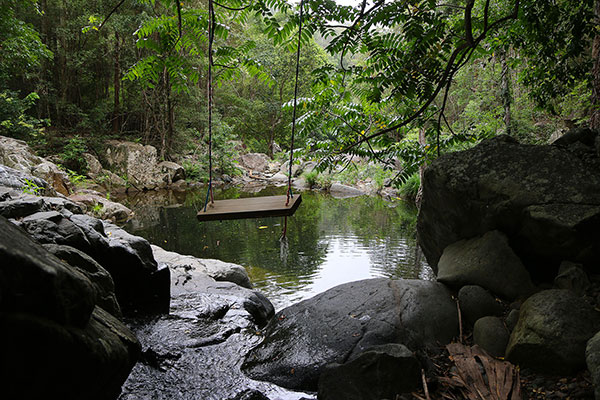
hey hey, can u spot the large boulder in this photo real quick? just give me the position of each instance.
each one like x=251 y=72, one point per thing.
x=341 y=191
x=139 y=284
x=136 y=161
x=487 y=261
x=346 y=320
x=373 y=375
x=23 y=181
x=257 y=162
x=100 y=175
x=171 y=171
x=592 y=360
x=546 y=199
x=101 y=280
x=16 y=154
x=553 y=329
x=101 y=207
x=183 y=268
x=53 y=334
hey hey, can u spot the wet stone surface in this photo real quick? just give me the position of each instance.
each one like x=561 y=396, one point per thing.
x=195 y=351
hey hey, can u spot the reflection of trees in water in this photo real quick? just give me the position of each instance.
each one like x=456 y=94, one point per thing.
x=387 y=232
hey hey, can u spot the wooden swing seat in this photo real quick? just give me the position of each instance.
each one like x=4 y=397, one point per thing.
x=251 y=207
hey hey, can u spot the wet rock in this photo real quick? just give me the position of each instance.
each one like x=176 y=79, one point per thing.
x=592 y=359
x=476 y=302
x=52 y=334
x=340 y=191
x=22 y=207
x=139 y=284
x=199 y=344
x=511 y=319
x=572 y=277
x=491 y=335
x=37 y=283
x=487 y=261
x=42 y=358
x=545 y=198
x=184 y=268
x=553 y=329
x=99 y=277
x=373 y=375
x=250 y=394
x=344 y=321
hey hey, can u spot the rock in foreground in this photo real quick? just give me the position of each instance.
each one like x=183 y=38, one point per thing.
x=55 y=342
x=341 y=323
x=546 y=199
x=553 y=329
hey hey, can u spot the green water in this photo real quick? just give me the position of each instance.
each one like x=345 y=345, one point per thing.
x=329 y=241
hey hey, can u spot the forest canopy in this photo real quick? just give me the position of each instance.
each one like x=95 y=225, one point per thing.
x=387 y=80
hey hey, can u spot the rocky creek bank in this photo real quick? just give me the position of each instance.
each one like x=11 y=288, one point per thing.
x=512 y=232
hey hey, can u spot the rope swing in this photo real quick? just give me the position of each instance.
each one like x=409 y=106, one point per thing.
x=271 y=206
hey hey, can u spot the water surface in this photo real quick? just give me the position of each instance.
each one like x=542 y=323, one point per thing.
x=329 y=241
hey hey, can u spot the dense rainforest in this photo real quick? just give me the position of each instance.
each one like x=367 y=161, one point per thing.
x=394 y=81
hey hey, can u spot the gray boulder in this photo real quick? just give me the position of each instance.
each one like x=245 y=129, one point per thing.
x=546 y=198
x=487 y=261
x=346 y=320
x=17 y=155
x=102 y=208
x=341 y=191
x=553 y=329
x=256 y=162
x=171 y=171
x=136 y=161
x=183 y=268
x=52 y=333
x=572 y=277
x=592 y=359
x=490 y=334
x=476 y=302
x=511 y=319
x=139 y=283
x=23 y=181
x=99 y=277
x=373 y=375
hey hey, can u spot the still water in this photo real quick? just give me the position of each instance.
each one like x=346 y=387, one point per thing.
x=329 y=241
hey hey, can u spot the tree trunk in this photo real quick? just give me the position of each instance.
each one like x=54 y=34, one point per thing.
x=505 y=91
x=595 y=100
x=117 y=82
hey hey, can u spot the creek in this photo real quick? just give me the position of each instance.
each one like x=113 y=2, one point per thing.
x=329 y=241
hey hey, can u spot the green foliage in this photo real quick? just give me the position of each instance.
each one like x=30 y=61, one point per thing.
x=410 y=187
x=311 y=177
x=72 y=154
x=14 y=119
x=194 y=172
x=75 y=178
x=97 y=209
x=31 y=187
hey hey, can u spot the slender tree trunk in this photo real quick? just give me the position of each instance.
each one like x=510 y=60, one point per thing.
x=505 y=92
x=595 y=100
x=117 y=82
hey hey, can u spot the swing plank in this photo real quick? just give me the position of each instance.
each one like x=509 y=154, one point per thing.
x=251 y=207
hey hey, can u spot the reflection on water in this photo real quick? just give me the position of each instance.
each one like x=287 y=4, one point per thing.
x=329 y=241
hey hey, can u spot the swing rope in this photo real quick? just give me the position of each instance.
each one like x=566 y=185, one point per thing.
x=289 y=191
x=211 y=26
